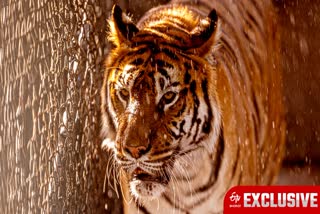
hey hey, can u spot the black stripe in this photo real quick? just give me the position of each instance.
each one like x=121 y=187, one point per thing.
x=111 y=123
x=181 y=127
x=140 y=51
x=187 y=77
x=176 y=137
x=118 y=61
x=240 y=177
x=214 y=170
x=233 y=170
x=187 y=151
x=236 y=161
x=195 y=65
x=164 y=73
x=130 y=70
x=177 y=22
x=193 y=87
x=145 y=35
x=170 y=54
x=183 y=92
x=219 y=154
x=158 y=30
x=187 y=65
x=164 y=43
x=142 y=208
x=163 y=64
x=250 y=16
x=233 y=173
x=206 y=128
x=137 y=62
x=167 y=27
x=260 y=13
x=174 y=84
x=246 y=35
x=198 y=122
x=256 y=118
x=151 y=75
x=161 y=83
x=169 y=200
x=138 y=79
x=182 y=109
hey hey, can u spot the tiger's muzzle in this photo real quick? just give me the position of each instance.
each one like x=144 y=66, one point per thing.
x=147 y=184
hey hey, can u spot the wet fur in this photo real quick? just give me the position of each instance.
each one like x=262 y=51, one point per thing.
x=232 y=81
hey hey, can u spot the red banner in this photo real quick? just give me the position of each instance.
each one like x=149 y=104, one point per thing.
x=272 y=199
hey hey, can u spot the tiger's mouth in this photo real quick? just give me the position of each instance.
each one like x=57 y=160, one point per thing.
x=146 y=177
x=146 y=186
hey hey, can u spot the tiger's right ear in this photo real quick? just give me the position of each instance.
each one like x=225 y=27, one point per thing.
x=122 y=29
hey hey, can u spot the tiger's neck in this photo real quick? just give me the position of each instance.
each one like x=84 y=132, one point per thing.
x=190 y=184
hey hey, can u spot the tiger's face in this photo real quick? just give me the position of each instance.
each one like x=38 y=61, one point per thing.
x=156 y=105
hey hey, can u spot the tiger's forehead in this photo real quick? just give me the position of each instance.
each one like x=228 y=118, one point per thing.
x=155 y=79
x=157 y=68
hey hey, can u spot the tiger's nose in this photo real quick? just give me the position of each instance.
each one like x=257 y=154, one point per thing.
x=136 y=151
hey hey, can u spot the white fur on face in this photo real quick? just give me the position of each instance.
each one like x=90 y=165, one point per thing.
x=146 y=190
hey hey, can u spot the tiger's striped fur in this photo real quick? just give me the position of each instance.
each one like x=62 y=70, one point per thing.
x=192 y=103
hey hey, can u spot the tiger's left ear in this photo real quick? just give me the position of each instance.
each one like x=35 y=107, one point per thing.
x=204 y=36
x=122 y=29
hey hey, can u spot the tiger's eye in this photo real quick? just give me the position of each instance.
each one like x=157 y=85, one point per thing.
x=124 y=94
x=169 y=97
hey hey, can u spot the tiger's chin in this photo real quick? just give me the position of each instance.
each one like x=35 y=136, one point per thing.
x=146 y=190
x=145 y=187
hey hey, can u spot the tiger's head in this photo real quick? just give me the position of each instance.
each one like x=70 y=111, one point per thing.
x=159 y=99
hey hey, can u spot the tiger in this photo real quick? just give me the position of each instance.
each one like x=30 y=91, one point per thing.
x=192 y=104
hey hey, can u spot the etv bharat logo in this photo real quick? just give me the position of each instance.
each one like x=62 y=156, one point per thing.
x=273 y=199
x=235 y=198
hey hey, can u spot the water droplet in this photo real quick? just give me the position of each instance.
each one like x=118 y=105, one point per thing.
x=148 y=99
x=63 y=131
x=65 y=117
x=110 y=194
x=292 y=20
x=155 y=116
x=304 y=46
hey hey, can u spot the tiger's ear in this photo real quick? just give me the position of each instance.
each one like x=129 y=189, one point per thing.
x=122 y=29
x=204 y=36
